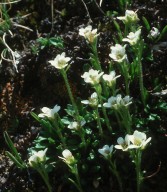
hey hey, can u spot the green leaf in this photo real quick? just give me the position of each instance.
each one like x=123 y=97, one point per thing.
x=70 y=110
x=47 y=125
x=12 y=147
x=153 y=117
x=56 y=41
x=122 y=4
x=117 y=26
x=52 y=141
x=162 y=106
x=43 y=41
x=35 y=117
x=163 y=33
x=72 y=181
x=19 y=165
x=40 y=139
x=65 y=120
x=146 y=23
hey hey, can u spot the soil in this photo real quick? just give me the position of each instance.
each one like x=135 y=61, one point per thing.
x=37 y=84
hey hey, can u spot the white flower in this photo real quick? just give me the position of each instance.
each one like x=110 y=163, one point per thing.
x=74 y=125
x=118 y=53
x=133 y=38
x=154 y=33
x=127 y=100
x=123 y=144
x=92 y=76
x=130 y=17
x=135 y=141
x=93 y=100
x=60 y=61
x=37 y=157
x=47 y=112
x=111 y=78
x=67 y=157
x=117 y=102
x=139 y=139
x=88 y=33
x=106 y=150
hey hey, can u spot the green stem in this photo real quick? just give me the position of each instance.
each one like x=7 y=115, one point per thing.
x=118 y=118
x=141 y=84
x=77 y=183
x=41 y=170
x=99 y=122
x=138 y=170
x=126 y=77
x=126 y=29
x=113 y=90
x=63 y=72
x=59 y=133
x=97 y=65
x=78 y=179
x=126 y=118
x=121 y=5
x=96 y=58
x=82 y=136
x=124 y=69
x=103 y=109
x=115 y=172
x=138 y=51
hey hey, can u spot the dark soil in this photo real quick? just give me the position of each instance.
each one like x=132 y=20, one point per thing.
x=37 y=84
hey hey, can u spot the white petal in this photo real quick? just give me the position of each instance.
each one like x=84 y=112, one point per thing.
x=45 y=110
x=56 y=108
x=108 y=105
x=118 y=147
x=66 y=154
x=86 y=102
x=111 y=148
x=101 y=151
x=139 y=135
x=41 y=115
x=94 y=95
x=120 y=141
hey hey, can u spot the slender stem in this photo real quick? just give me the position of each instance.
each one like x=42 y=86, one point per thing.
x=99 y=122
x=103 y=109
x=113 y=90
x=126 y=29
x=63 y=72
x=78 y=178
x=138 y=52
x=118 y=118
x=124 y=69
x=77 y=183
x=121 y=5
x=141 y=84
x=82 y=136
x=138 y=170
x=126 y=76
x=126 y=117
x=115 y=172
x=96 y=58
x=97 y=64
x=41 y=170
x=59 y=133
